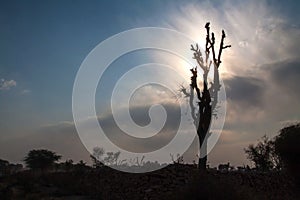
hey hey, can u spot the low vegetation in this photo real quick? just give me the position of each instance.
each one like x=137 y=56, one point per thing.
x=274 y=176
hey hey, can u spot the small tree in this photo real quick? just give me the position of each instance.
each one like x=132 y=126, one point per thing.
x=96 y=157
x=263 y=155
x=112 y=158
x=41 y=159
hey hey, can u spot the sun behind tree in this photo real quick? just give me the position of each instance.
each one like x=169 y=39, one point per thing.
x=207 y=99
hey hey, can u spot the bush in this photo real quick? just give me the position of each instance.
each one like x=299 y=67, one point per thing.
x=263 y=155
x=287 y=146
x=41 y=159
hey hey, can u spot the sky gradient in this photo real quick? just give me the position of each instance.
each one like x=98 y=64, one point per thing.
x=43 y=44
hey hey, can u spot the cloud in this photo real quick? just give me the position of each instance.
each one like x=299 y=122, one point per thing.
x=140 y=116
x=26 y=91
x=264 y=37
x=63 y=138
x=7 y=84
x=286 y=76
x=247 y=91
x=260 y=104
x=283 y=79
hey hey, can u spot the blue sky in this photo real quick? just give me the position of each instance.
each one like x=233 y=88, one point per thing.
x=43 y=44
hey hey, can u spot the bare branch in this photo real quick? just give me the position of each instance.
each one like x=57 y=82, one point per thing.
x=221 y=48
x=183 y=90
x=227 y=46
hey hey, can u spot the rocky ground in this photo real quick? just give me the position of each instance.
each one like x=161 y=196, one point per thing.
x=173 y=182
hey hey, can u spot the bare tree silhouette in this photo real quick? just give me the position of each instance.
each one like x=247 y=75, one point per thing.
x=208 y=98
x=96 y=157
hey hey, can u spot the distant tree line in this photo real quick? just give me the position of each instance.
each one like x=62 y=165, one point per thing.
x=7 y=168
x=279 y=153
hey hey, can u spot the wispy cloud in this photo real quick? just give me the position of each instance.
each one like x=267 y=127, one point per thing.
x=25 y=91
x=7 y=84
x=261 y=38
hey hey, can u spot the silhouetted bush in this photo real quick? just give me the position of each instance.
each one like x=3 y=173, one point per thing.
x=263 y=155
x=41 y=159
x=287 y=146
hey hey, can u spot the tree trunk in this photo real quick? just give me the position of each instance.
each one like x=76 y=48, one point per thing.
x=203 y=154
x=202 y=133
